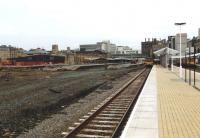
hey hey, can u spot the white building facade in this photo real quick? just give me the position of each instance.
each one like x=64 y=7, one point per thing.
x=183 y=42
x=125 y=50
x=104 y=46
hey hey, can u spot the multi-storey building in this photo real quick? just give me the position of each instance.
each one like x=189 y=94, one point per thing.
x=196 y=44
x=104 y=46
x=183 y=42
x=171 y=42
x=148 y=47
x=125 y=50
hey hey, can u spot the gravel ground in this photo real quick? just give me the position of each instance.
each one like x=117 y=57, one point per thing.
x=59 y=122
x=34 y=100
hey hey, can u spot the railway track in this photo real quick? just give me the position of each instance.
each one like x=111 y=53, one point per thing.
x=107 y=119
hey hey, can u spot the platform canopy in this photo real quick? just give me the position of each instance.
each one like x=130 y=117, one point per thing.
x=183 y=56
x=165 y=51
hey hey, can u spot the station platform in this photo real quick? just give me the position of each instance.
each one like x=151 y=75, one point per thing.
x=167 y=108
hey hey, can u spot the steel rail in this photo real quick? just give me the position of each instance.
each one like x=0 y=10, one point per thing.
x=77 y=129
x=133 y=102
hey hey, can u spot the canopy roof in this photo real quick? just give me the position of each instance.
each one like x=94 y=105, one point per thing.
x=183 y=56
x=166 y=50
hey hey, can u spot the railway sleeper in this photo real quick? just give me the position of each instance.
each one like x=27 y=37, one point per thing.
x=96 y=131
x=112 y=112
x=90 y=113
x=107 y=127
x=90 y=136
x=98 y=126
x=71 y=128
x=125 y=97
x=123 y=106
x=93 y=110
x=107 y=118
x=81 y=119
x=115 y=109
x=77 y=123
x=121 y=101
x=111 y=115
x=119 y=104
x=102 y=122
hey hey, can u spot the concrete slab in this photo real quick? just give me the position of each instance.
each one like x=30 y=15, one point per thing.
x=143 y=121
x=140 y=133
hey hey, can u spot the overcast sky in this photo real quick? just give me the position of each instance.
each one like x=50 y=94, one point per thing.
x=40 y=23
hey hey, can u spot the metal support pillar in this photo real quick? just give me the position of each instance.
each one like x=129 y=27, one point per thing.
x=189 y=65
x=185 y=68
x=172 y=66
x=193 y=43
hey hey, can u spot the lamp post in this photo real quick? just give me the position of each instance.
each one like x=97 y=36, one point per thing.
x=180 y=68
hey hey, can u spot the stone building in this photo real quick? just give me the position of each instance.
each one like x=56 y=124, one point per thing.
x=70 y=58
x=148 y=47
x=78 y=57
x=55 y=50
x=196 y=44
x=171 y=42
x=9 y=52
